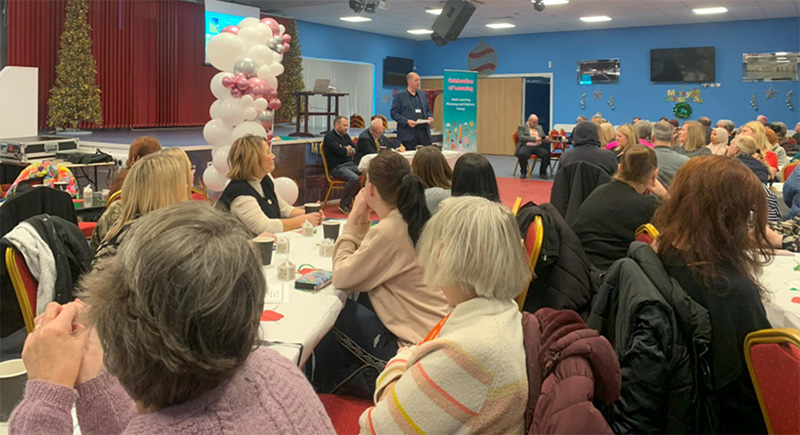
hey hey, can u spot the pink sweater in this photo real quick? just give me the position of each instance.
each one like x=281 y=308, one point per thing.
x=269 y=394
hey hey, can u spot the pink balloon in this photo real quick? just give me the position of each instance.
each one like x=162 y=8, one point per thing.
x=228 y=82
x=230 y=29
x=242 y=83
x=272 y=25
x=274 y=104
x=285 y=47
x=286 y=37
x=270 y=136
x=267 y=125
x=236 y=93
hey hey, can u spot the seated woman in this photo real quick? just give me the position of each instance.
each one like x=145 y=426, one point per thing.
x=626 y=137
x=745 y=149
x=251 y=197
x=719 y=141
x=644 y=132
x=179 y=344
x=140 y=147
x=46 y=173
x=473 y=175
x=776 y=148
x=432 y=169
x=397 y=309
x=719 y=268
x=607 y=134
x=692 y=140
x=755 y=130
x=608 y=218
x=156 y=181
x=469 y=373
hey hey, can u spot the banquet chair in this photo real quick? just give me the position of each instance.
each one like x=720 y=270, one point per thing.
x=533 y=247
x=382 y=118
x=773 y=360
x=199 y=195
x=25 y=286
x=646 y=233
x=558 y=143
x=787 y=170
x=344 y=412
x=333 y=183
x=357 y=121
x=114 y=197
x=531 y=161
x=517 y=203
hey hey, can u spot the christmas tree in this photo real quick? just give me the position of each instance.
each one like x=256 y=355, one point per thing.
x=75 y=96
x=292 y=78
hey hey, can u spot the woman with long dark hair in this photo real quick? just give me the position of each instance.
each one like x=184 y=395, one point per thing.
x=397 y=307
x=713 y=242
x=473 y=175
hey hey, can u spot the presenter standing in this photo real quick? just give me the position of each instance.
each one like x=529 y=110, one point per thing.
x=408 y=108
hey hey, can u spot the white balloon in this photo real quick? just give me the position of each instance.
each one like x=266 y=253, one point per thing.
x=230 y=111
x=214 y=180
x=273 y=81
x=276 y=69
x=282 y=28
x=217 y=89
x=224 y=50
x=250 y=113
x=214 y=109
x=220 y=158
x=216 y=133
x=287 y=189
x=280 y=57
x=250 y=36
x=248 y=127
x=246 y=101
x=247 y=22
x=261 y=54
x=260 y=104
x=265 y=72
x=265 y=31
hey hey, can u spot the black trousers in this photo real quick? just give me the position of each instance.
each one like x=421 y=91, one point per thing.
x=542 y=151
x=421 y=137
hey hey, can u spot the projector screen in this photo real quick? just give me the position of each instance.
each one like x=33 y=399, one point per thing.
x=222 y=14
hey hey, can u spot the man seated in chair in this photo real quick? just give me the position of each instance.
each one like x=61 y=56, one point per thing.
x=372 y=140
x=339 y=152
x=532 y=140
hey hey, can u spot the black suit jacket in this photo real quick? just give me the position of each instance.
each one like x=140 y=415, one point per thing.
x=403 y=107
x=366 y=145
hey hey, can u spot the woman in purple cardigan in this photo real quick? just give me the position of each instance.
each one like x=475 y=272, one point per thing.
x=177 y=312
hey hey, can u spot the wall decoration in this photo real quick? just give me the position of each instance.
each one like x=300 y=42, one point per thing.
x=789 y=100
x=598 y=94
x=682 y=110
x=772 y=94
x=594 y=72
x=292 y=80
x=753 y=102
x=583 y=101
x=767 y=67
x=674 y=96
x=611 y=102
x=386 y=99
x=482 y=59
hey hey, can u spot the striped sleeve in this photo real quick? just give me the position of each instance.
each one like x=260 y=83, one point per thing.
x=773 y=212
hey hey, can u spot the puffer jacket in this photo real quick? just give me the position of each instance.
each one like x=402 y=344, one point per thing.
x=662 y=338
x=569 y=366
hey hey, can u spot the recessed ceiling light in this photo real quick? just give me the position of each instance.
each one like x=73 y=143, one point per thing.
x=420 y=31
x=554 y=2
x=500 y=26
x=355 y=19
x=707 y=11
x=595 y=19
x=434 y=11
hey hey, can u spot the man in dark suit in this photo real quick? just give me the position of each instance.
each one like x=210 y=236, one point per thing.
x=339 y=152
x=371 y=140
x=408 y=107
x=532 y=140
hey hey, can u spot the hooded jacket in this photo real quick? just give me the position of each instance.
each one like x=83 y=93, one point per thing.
x=573 y=184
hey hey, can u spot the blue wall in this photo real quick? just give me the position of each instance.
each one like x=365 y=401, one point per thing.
x=635 y=95
x=327 y=42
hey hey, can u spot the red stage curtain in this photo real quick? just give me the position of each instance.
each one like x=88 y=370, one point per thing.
x=149 y=54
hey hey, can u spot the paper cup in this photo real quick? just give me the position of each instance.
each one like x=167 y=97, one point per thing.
x=312 y=207
x=263 y=246
x=330 y=229
x=12 y=386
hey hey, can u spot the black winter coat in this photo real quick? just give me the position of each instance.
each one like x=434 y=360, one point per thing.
x=573 y=184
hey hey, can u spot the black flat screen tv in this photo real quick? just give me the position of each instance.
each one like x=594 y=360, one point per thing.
x=676 y=65
x=598 y=72
x=395 y=70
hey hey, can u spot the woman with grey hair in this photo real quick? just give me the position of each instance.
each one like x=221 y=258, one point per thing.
x=469 y=373
x=644 y=132
x=174 y=318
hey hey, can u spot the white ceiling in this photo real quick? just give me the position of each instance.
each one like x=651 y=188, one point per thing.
x=410 y=14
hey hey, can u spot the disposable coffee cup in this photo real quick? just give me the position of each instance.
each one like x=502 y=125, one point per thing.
x=12 y=386
x=264 y=247
x=312 y=207
x=330 y=230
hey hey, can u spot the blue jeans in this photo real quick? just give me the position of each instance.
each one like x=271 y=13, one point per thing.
x=349 y=173
x=349 y=359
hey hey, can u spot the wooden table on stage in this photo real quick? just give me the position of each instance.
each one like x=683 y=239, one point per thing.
x=301 y=98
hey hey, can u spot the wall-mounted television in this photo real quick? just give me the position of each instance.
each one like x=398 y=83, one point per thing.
x=395 y=70
x=220 y=15
x=675 y=65
x=770 y=67
x=598 y=72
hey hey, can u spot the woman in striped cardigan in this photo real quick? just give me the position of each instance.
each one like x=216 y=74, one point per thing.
x=468 y=375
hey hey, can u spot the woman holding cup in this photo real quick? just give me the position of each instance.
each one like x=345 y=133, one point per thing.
x=251 y=196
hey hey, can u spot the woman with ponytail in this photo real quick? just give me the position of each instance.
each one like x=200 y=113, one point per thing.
x=397 y=309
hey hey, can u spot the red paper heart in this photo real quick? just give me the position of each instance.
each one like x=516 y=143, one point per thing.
x=796 y=299
x=271 y=316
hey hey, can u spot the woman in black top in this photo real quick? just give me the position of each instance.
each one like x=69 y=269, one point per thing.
x=608 y=218
x=713 y=242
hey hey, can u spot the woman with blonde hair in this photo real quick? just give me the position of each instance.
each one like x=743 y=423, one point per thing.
x=756 y=130
x=251 y=196
x=607 y=133
x=719 y=141
x=692 y=140
x=746 y=149
x=156 y=181
x=432 y=169
x=626 y=136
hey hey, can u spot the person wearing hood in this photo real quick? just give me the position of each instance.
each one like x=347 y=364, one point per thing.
x=586 y=141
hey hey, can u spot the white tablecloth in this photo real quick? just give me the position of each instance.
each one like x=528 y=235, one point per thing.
x=780 y=278
x=307 y=316
x=450 y=155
